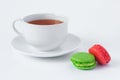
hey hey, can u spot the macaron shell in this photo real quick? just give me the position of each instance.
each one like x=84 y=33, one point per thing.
x=100 y=53
x=83 y=57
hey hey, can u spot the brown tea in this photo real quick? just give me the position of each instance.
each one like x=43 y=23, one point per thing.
x=45 y=22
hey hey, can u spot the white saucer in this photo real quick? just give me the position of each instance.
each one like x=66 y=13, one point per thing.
x=71 y=43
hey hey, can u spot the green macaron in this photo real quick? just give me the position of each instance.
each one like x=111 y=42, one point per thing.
x=83 y=60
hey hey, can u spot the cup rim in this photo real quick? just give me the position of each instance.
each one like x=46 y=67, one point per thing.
x=64 y=19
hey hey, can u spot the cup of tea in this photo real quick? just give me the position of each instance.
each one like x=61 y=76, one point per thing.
x=42 y=31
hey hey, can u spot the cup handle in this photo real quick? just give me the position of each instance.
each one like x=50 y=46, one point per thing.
x=14 y=27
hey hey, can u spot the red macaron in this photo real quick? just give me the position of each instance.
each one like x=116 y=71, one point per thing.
x=100 y=53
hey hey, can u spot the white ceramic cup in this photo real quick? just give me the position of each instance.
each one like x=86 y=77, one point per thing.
x=43 y=37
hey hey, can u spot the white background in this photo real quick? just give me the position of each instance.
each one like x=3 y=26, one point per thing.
x=94 y=21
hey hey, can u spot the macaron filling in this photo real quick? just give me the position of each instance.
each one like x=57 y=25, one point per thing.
x=84 y=64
